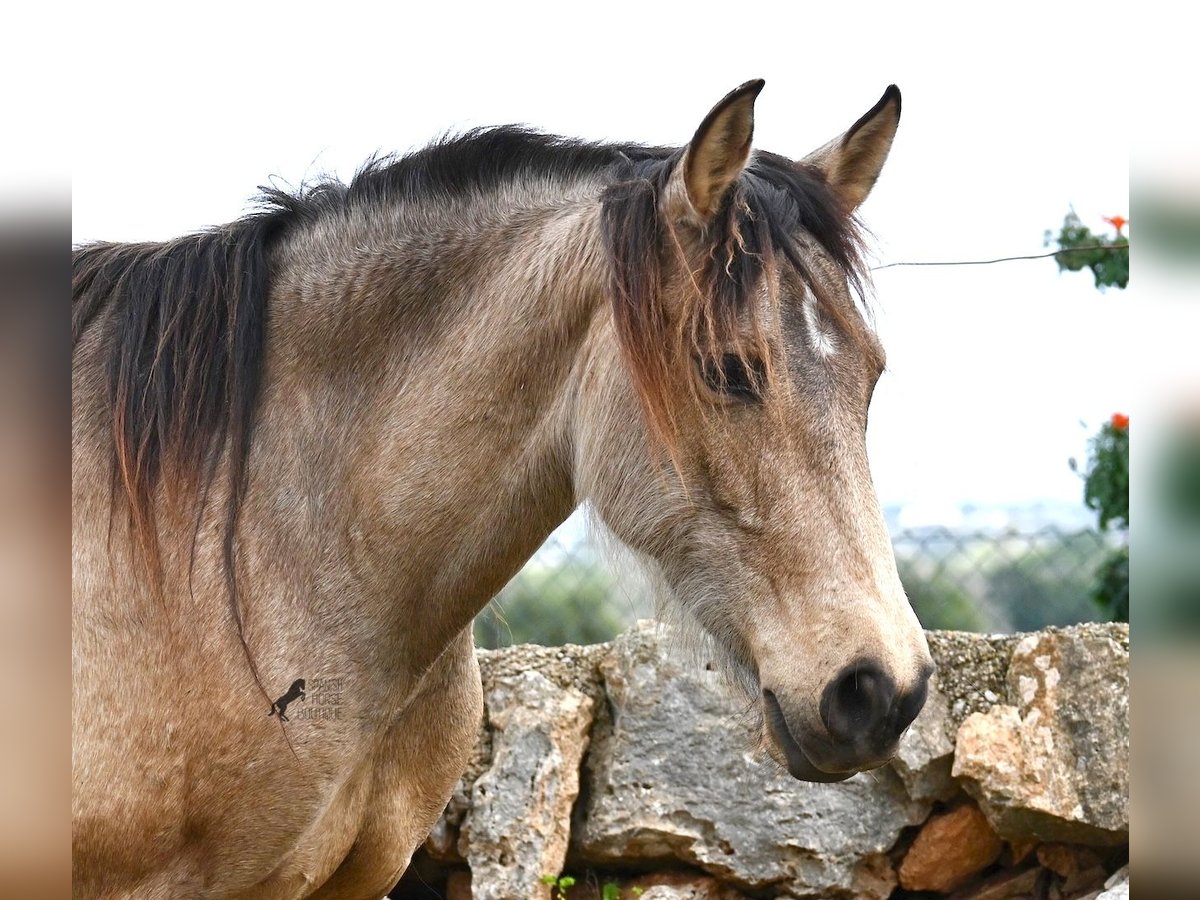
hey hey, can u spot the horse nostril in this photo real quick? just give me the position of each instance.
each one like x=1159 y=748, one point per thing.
x=857 y=704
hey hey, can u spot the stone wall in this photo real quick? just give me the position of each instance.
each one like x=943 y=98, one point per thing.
x=632 y=772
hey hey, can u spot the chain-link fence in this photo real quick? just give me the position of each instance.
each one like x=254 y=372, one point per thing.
x=1001 y=581
x=993 y=581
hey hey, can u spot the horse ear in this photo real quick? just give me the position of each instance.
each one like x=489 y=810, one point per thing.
x=853 y=161
x=719 y=151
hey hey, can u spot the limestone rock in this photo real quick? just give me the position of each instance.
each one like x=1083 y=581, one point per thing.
x=518 y=825
x=926 y=753
x=950 y=850
x=1054 y=764
x=971 y=670
x=672 y=777
x=570 y=667
x=679 y=887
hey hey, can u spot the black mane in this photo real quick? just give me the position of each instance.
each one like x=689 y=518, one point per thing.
x=474 y=163
x=484 y=160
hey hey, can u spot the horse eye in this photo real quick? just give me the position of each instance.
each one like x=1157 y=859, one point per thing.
x=734 y=376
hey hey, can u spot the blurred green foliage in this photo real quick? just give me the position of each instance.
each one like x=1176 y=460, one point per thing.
x=1178 y=485
x=939 y=599
x=1106 y=490
x=1107 y=257
x=578 y=602
x=1112 y=585
x=1168 y=226
x=1106 y=480
x=1044 y=588
x=1169 y=571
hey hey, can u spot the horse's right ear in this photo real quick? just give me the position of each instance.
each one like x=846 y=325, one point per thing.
x=716 y=155
x=852 y=162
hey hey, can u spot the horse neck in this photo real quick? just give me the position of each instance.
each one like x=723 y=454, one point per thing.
x=421 y=386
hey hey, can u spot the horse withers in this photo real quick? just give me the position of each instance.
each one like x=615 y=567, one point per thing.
x=310 y=445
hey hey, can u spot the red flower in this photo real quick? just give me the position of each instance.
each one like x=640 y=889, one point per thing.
x=1117 y=222
x=1120 y=421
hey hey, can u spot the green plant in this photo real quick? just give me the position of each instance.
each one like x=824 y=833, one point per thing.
x=1079 y=247
x=559 y=884
x=1106 y=481
x=612 y=891
x=1106 y=490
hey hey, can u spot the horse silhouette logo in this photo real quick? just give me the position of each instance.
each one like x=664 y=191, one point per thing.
x=295 y=692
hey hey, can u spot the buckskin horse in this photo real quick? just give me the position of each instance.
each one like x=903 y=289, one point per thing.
x=317 y=440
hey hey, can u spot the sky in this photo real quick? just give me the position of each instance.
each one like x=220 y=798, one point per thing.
x=997 y=374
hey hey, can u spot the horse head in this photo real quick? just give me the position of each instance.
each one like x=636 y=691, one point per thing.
x=729 y=448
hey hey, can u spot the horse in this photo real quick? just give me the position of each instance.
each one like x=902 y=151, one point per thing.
x=320 y=438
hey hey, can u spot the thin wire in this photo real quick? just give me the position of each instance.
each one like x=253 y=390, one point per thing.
x=988 y=262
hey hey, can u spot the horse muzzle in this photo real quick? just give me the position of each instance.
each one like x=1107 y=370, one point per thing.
x=862 y=716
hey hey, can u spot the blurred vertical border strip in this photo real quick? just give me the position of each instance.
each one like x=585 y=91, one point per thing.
x=1164 y=334
x=35 y=630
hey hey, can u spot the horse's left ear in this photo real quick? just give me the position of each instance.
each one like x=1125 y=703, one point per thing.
x=853 y=161
x=718 y=152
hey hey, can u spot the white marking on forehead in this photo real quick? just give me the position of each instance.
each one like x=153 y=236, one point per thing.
x=822 y=342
